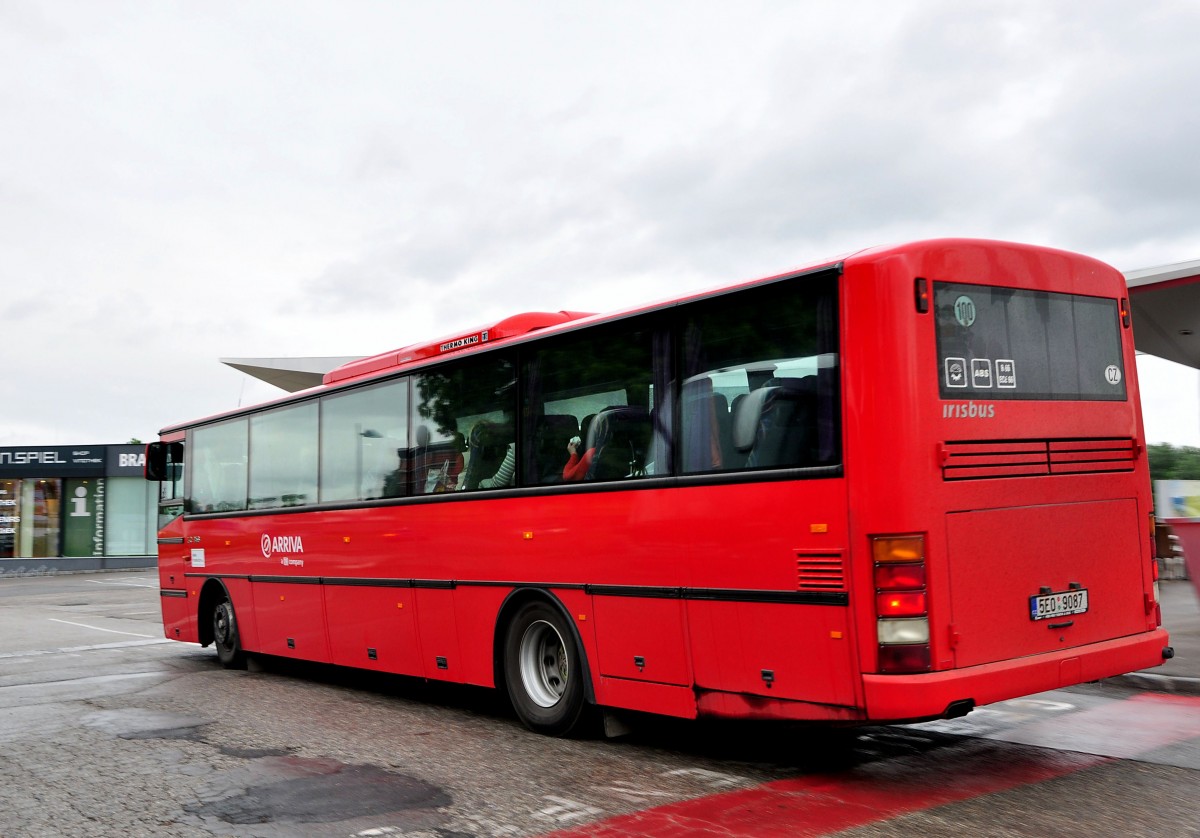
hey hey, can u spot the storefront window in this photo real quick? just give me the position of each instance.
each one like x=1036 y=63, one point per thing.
x=131 y=512
x=30 y=516
x=10 y=517
x=44 y=515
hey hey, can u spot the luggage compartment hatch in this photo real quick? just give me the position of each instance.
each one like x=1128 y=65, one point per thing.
x=1002 y=559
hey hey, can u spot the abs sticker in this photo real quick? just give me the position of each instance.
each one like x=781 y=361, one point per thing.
x=981 y=373
x=1112 y=374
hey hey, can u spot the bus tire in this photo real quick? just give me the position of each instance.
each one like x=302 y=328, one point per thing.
x=543 y=670
x=225 y=635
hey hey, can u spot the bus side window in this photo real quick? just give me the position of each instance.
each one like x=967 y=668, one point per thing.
x=471 y=405
x=219 y=455
x=760 y=379
x=364 y=443
x=608 y=378
x=284 y=456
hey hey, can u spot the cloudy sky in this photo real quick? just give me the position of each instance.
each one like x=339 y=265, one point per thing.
x=181 y=182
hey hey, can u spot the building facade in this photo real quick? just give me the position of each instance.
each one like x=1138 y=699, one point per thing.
x=86 y=501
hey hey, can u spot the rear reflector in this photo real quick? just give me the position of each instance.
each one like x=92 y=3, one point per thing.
x=893 y=659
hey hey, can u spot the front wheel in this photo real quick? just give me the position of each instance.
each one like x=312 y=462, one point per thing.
x=543 y=670
x=225 y=636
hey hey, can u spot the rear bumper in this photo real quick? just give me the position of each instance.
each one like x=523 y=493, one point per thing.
x=911 y=697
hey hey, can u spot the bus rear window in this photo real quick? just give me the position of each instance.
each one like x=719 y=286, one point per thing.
x=1009 y=343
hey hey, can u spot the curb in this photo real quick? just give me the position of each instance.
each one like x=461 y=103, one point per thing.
x=1157 y=683
x=54 y=566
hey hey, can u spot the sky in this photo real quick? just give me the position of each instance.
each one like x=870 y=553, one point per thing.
x=183 y=181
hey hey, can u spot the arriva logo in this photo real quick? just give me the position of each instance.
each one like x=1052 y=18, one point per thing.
x=281 y=544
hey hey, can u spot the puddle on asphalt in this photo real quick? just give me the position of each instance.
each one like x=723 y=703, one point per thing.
x=252 y=753
x=322 y=791
x=136 y=723
x=274 y=787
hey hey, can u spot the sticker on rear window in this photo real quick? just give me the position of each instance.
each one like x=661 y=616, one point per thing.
x=1006 y=374
x=956 y=372
x=964 y=311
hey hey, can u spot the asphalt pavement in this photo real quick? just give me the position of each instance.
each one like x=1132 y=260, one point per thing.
x=1181 y=618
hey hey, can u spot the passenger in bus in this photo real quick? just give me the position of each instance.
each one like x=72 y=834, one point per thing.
x=491 y=458
x=436 y=465
x=506 y=473
x=621 y=436
x=578 y=464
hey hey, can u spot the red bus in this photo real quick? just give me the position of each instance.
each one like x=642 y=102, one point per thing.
x=889 y=487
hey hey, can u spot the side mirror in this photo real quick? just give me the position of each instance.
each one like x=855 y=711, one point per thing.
x=156 y=461
x=160 y=457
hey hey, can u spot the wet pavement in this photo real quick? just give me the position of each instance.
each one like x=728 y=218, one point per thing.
x=89 y=690
x=1181 y=618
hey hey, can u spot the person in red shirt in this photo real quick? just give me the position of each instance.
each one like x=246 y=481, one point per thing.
x=577 y=466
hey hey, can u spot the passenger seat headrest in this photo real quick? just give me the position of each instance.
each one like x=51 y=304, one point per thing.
x=746 y=417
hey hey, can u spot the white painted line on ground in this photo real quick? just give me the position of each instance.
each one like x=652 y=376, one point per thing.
x=69 y=650
x=124 y=584
x=97 y=628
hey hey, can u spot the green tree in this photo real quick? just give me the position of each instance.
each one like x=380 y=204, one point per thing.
x=1168 y=462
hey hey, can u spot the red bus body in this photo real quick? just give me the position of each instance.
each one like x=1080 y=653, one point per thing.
x=749 y=595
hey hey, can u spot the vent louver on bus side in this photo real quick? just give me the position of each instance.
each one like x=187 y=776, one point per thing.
x=820 y=572
x=1030 y=458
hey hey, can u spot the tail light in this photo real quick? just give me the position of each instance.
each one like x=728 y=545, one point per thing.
x=901 y=607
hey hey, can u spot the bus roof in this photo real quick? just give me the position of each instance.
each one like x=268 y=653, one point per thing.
x=509 y=327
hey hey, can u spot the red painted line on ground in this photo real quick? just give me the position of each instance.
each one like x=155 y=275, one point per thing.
x=821 y=804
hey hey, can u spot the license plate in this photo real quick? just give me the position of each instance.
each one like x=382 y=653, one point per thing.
x=1063 y=604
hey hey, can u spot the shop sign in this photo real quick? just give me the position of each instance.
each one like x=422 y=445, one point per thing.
x=83 y=517
x=125 y=460
x=52 y=461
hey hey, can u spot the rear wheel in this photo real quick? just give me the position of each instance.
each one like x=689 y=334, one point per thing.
x=543 y=670
x=225 y=635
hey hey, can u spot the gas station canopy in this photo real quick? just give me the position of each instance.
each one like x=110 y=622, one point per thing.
x=1166 y=311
